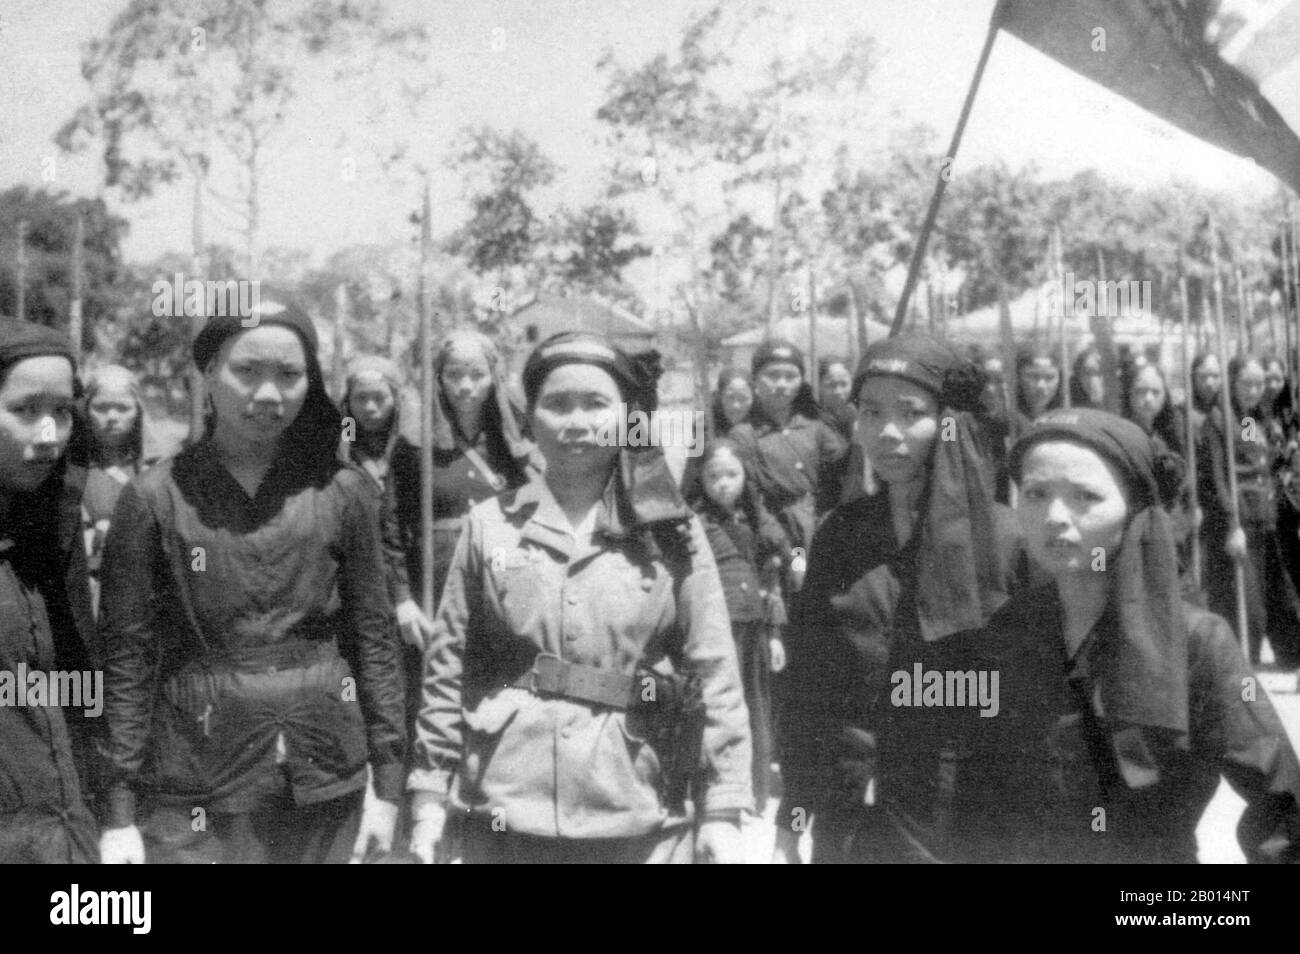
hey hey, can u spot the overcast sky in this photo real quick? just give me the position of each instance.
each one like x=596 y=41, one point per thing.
x=541 y=79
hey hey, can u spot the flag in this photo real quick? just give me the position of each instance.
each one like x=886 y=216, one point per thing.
x=1226 y=71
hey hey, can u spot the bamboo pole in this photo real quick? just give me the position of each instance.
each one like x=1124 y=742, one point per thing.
x=1189 y=424
x=20 y=305
x=1229 y=428
x=75 y=320
x=197 y=388
x=428 y=394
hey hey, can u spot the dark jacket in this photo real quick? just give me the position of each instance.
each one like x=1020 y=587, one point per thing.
x=743 y=553
x=797 y=469
x=227 y=622
x=45 y=626
x=853 y=626
x=1042 y=782
x=458 y=484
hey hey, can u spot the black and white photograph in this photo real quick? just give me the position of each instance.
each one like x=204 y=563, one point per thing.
x=607 y=432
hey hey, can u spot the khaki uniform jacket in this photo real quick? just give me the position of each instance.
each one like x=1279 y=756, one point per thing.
x=521 y=584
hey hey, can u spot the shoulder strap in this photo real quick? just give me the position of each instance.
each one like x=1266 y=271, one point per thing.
x=496 y=480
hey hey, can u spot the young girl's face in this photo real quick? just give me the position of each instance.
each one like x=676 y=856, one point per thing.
x=724 y=478
x=113 y=414
x=836 y=384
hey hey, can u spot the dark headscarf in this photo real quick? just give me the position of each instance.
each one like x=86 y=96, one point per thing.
x=1024 y=358
x=777 y=351
x=957 y=584
x=643 y=491
x=1143 y=681
x=1166 y=425
x=405 y=422
x=311 y=441
x=1205 y=407
x=503 y=418
x=1078 y=388
x=44 y=522
x=25 y=339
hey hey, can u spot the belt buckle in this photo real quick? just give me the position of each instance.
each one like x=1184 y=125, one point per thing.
x=548 y=674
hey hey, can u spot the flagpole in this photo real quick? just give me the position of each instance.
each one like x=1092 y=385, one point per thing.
x=945 y=173
x=1230 y=461
x=428 y=395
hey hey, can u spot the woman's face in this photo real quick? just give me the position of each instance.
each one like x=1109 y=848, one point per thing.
x=1072 y=508
x=371 y=402
x=737 y=399
x=835 y=385
x=1249 y=386
x=466 y=380
x=897 y=424
x=258 y=384
x=35 y=421
x=1274 y=378
x=113 y=415
x=1207 y=380
x=1092 y=382
x=776 y=386
x=1146 y=396
x=724 y=477
x=1038 y=383
x=575 y=403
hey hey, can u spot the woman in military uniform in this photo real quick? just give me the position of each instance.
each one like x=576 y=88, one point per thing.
x=579 y=612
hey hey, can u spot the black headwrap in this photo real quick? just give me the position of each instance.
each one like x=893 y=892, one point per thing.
x=1144 y=674
x=25 y=339
x=312 y=439
x=644 y=484
x=957 y=585
x=777 y=351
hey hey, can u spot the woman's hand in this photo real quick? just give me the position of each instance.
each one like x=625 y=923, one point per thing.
x=121 y=846
x=719 y=843
x=416 y=628
x=777 y=649
x=378 y=822
x=430 y=814
x=1236 y=544
x=786 y=849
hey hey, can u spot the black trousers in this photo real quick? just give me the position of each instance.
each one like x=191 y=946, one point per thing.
x=284 y=833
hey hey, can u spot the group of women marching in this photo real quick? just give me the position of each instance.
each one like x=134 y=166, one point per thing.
x=618 y=658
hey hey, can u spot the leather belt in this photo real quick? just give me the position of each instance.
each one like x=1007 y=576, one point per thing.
x=553 y=676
